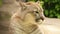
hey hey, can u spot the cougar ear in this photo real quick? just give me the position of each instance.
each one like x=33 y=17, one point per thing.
x=38 y=2
x=23 y=5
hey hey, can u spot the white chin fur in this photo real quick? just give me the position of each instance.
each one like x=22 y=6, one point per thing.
x=40 y=21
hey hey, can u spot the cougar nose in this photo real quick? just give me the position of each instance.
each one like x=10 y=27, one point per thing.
x=42 y=18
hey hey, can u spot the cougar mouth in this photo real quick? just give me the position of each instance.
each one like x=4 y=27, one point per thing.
x=38 y=17
x=39 y=20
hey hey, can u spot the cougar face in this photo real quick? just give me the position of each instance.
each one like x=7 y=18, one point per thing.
x=35 y=10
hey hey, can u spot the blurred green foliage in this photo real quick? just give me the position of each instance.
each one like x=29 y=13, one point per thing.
x=51 y=7
x=0 y=2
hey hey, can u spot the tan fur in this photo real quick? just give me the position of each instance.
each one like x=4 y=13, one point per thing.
x=23 y=21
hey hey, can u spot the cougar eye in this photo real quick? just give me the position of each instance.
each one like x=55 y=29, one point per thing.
x=36 y=12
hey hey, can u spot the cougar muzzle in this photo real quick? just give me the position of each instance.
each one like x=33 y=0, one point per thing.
x=38 y=17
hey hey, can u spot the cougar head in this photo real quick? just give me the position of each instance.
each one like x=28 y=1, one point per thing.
x=34 y=9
